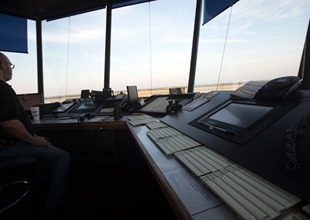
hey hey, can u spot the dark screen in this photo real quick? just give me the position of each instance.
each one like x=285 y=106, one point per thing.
x=87 y=106
x=239 y=114
x=240 y=120
x=132 y=94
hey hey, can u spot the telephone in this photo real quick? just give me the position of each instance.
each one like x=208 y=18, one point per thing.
x=279 y=88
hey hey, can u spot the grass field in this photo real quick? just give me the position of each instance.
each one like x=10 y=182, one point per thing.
x=149 y=92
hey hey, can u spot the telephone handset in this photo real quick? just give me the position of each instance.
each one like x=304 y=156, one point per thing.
x=279 y=88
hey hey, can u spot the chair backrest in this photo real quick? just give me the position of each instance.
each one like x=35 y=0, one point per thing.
x=31 y=99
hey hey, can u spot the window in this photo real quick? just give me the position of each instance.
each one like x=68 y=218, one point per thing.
x=73 y=53
x=151 y=45
x=265 y=41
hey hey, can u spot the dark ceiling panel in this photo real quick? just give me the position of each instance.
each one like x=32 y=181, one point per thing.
x=53 y=9
x=45 y=9
x=118 y=4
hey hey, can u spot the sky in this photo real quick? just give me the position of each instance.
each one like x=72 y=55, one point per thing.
x=151 y=46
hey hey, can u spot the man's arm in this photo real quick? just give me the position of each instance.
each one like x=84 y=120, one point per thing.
x=17 y=130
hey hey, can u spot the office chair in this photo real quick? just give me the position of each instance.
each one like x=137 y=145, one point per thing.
x=16 y=179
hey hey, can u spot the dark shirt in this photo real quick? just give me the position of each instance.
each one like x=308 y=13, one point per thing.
x=11 y=109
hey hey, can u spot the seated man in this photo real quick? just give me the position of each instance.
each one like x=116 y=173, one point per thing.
x=17 y=139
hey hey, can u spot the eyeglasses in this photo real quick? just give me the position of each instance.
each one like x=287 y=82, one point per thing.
x=11 y=65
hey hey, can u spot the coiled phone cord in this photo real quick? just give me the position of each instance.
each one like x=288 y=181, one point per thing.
x=293 y=164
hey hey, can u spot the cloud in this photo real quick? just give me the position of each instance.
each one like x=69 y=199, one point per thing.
x=266 y=10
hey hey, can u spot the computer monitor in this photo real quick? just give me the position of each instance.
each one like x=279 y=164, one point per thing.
x=85 y=93
x=133 y=97
x=241 y=120
x=86 y=107
x=236 y=118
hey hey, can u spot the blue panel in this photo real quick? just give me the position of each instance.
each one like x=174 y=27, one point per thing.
x=13 y=34
x=212 y=8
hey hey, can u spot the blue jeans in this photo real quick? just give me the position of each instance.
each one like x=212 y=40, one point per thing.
x=53 y=165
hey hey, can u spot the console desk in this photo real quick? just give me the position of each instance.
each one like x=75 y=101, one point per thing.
x=186 y=194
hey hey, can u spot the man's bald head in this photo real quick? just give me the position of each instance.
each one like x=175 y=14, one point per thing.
x=5 y=68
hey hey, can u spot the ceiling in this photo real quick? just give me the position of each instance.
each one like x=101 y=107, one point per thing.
x=53 y=9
